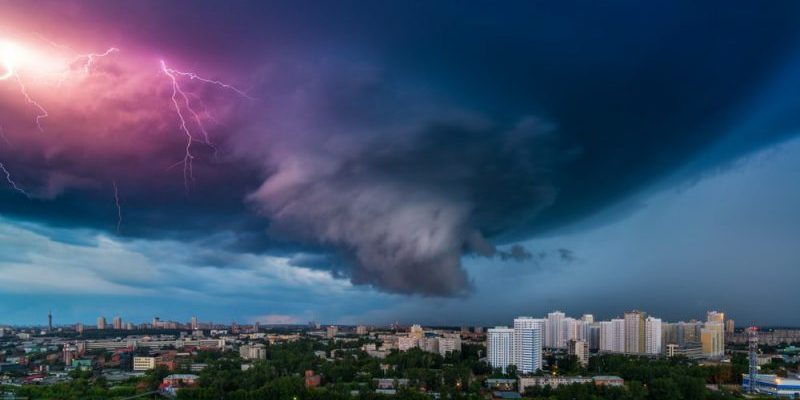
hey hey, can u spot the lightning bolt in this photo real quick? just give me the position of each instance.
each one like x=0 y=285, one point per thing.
x=117 y=203
x=194 y=76
x=11 y=181
x=83 y=61
x=188 y=173
x=90 y=58
x=192 y=115
x=42 y=112
x=186 y=112
x=5 y=170
x=6 y=54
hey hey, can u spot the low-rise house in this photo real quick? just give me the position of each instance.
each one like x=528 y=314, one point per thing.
x=608 y=380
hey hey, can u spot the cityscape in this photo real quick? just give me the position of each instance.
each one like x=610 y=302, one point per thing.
x=399 y=200
x=529 y=357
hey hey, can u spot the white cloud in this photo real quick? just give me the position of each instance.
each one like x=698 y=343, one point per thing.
x=33 y=261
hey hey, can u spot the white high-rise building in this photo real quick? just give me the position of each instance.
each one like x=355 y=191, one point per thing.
x=606 y=336
x=569 y=330
x=527 y=350
x=499 y=347
x=612 y=336
x=583 y=330
x=519 y=324
x=553 y=336
x=618 y=332
x=652 y=335
x=584 y=325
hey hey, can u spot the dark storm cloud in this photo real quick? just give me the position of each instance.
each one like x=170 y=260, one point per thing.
x=400 y=137
x=404 y=209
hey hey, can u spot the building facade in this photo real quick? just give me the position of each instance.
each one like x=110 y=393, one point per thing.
x=553 y=336
x=144 y=363
x=579 y=349
x=653 y=339
x=635 y=334
x=332 y=331
x=772 y=385
x=712 y=337
x=499 y=347
x=253 y=351
x=527 y=349
x=449 y=344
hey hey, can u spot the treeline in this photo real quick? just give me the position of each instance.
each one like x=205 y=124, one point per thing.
x=646 y=379
x=280 y=376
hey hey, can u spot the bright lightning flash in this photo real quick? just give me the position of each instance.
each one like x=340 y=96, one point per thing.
x=8 y=55
x=12 y=55
x=15 y=58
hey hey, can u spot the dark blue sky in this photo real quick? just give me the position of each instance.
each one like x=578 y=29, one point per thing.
x=408 y=161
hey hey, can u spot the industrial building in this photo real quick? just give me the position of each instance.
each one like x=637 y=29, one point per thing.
x=772 y=385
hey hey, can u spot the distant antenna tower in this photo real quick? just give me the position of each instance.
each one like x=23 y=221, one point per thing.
x=752 y=341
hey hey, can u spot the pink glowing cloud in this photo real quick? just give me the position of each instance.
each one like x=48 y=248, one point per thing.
x=102 y=113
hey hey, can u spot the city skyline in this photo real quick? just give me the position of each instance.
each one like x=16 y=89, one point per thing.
x=195 y=320
x=165 y=359
x=436 y=163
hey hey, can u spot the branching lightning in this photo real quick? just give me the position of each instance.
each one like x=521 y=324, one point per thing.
x=88 y=59
x=10 y=56
x=21 y=65
x=176 y=92
x=182 y=105
x=194 y=76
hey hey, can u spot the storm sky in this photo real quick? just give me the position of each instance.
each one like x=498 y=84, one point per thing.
x=370 y=162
